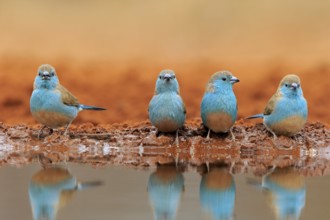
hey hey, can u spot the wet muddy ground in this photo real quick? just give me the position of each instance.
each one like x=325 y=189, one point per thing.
x=136 y=145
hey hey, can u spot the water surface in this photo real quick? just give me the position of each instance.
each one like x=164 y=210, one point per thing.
x=72 y=191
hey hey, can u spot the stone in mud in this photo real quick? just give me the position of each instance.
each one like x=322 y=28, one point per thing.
x=17 y=133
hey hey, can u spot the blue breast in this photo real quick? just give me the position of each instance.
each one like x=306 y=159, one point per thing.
x=213 y=102
x=49 y=100
x=167 y=106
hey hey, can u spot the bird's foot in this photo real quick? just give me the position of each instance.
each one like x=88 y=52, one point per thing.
x=232 y=134
x=231 y=168
x=274 y=136
x=208 y=135
x=274 y=139
x=177 y=138
x=66 y=129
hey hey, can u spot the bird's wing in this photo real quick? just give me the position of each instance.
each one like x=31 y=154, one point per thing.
x=183 y=105
x=271 y=103
x=67 y=97
x=184 y=109
x=209 y=88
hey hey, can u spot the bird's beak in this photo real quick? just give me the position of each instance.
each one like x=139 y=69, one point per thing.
x=45 y=75
x=167 y=77
x=234 y=80
x=294 y=86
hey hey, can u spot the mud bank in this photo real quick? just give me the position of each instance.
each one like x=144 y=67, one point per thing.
x=136 y=145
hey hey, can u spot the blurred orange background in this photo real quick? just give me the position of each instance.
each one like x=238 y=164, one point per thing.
x=109 y=53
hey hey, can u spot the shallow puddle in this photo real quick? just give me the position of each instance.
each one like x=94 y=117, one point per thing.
x=75 y=191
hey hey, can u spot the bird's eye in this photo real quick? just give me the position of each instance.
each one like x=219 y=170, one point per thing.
x=223 y=78
x=40 y=74
x=52 y=74
x=286 y=85
x=173 y=76
x=160 y=77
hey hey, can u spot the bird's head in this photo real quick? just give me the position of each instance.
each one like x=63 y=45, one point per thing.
x=221 y=81
x=46 y=77
x=167 y=82
x=290 y=85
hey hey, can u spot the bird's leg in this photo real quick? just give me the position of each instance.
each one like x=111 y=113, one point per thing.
x=67 y=127
x=40 y=131
x=271 y=170
x=207 y=166
x=274 y=135
x=232 y=134
x=208 y=134
x=231 y=168
x=177 y=138
x=274 y=138
x=270 y=130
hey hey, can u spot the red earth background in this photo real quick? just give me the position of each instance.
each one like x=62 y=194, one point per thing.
x=109 y=53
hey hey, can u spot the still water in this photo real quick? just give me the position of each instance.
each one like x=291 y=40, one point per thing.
x=74 y=191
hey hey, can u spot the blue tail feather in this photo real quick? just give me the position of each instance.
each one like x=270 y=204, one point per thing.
x=255 y=116
x=86 y=185
x=86 y=107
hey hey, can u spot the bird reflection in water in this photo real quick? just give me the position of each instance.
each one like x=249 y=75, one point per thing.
x=50 y=189
x=217 y=193
x=165 y=187
x=285 y=190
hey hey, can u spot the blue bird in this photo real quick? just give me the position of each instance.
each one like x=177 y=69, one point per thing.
x=51 y=104
x=165 y=188
x=285 y=189
x=51 y=189
x=219 y=105
x=286 y=111
x=167 y=111
x=217 y=193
